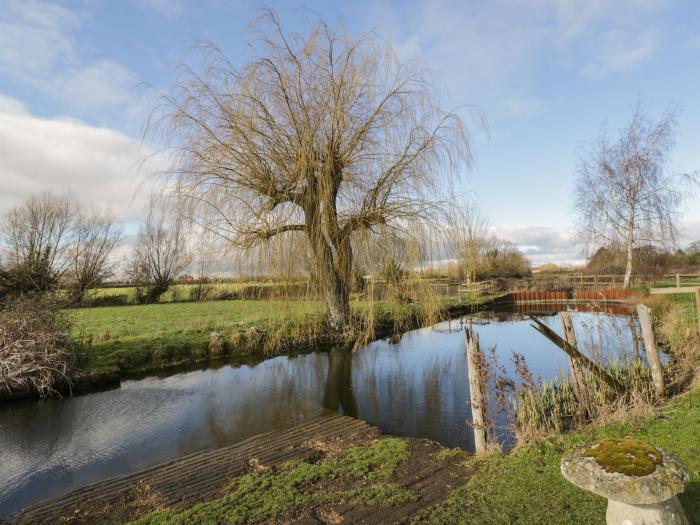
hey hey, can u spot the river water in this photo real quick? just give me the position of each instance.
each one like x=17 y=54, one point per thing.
x=416 y=386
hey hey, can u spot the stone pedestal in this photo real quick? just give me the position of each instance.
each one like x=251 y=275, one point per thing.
x=667 y=512
x=639 y=481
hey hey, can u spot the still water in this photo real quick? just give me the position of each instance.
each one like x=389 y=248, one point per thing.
x=416 y=386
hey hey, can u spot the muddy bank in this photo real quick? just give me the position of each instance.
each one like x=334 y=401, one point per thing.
x=336 y=468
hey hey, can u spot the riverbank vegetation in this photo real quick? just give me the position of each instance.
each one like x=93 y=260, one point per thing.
x=526 y=486
x=381 y=478
x=542 y=408
x=135 y=338
x=37 y=354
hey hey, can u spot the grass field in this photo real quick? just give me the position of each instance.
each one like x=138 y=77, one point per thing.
x=177 y=292
x=527 y=487
x=136 y=337
x=115 y=336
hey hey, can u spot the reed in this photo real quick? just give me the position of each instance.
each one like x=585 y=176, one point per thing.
x=553 y=407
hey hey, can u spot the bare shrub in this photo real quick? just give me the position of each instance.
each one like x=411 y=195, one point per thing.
x=35 y=354
x=159 y=257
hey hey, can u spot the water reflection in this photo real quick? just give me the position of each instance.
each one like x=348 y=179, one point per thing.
x=339 y=396
x=416 y=386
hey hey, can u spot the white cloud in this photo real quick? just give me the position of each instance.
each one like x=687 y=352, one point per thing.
x=102 y=84
x=33 y=37
x=492 y=50
x=10 y=106
x=576 y=17
x=543 y=244
x=690 y=232
x=39 y=51
x=98 y=165
x=527 y=106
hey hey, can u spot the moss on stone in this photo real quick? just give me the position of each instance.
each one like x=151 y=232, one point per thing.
x=625 y=456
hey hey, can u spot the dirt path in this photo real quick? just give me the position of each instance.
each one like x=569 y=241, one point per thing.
x=430 y=472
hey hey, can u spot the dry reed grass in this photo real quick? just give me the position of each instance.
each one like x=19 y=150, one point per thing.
x=35 y=353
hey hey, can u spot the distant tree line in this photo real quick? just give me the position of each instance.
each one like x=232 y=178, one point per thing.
x=55 y=244
x=650 y=262
x=54 y=241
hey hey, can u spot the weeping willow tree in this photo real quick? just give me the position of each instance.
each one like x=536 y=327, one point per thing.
x=321 y=136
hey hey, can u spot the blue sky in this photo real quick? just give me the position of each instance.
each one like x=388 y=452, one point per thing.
x=546 y=74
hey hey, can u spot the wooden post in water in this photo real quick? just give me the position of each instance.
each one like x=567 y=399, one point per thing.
x=575 y=367
x=652 y=350
x=476 y=389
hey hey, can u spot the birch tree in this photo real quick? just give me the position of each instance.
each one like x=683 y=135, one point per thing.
x=625 y=191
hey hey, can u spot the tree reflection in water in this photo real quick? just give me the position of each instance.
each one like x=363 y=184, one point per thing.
x=339 y=396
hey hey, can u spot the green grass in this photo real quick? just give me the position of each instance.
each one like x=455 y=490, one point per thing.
x=137 y=337
x=670 y=282
x=269 y=494
x=118 y=335
x=526 y=487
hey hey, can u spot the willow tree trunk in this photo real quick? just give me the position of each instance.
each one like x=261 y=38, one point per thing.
x=333 y=258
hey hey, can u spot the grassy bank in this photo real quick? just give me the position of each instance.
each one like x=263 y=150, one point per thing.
x=140 y=337
x=527 y=487
x=128 y=337
x=372 y=478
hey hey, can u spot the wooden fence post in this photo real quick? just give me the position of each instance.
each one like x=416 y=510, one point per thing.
x=652 y=350
x=575 y=367
x=476 y=389
x=697 y=307
x=678 y=280
x=573 y=352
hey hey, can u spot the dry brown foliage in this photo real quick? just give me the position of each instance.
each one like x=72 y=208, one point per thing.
x=35 y=356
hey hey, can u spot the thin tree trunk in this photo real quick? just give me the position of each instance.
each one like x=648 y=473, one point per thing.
x=630 y=252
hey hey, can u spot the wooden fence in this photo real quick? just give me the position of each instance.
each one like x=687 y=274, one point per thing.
x=534 y=297
x=565 y=295
x=607 y=295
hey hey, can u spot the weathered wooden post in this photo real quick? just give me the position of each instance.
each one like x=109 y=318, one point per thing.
x=652 y=350
x=573 y=352
x=678 y=280
x=635 y=337
x=476 y=389
x=575 y=367
x=697 y=306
